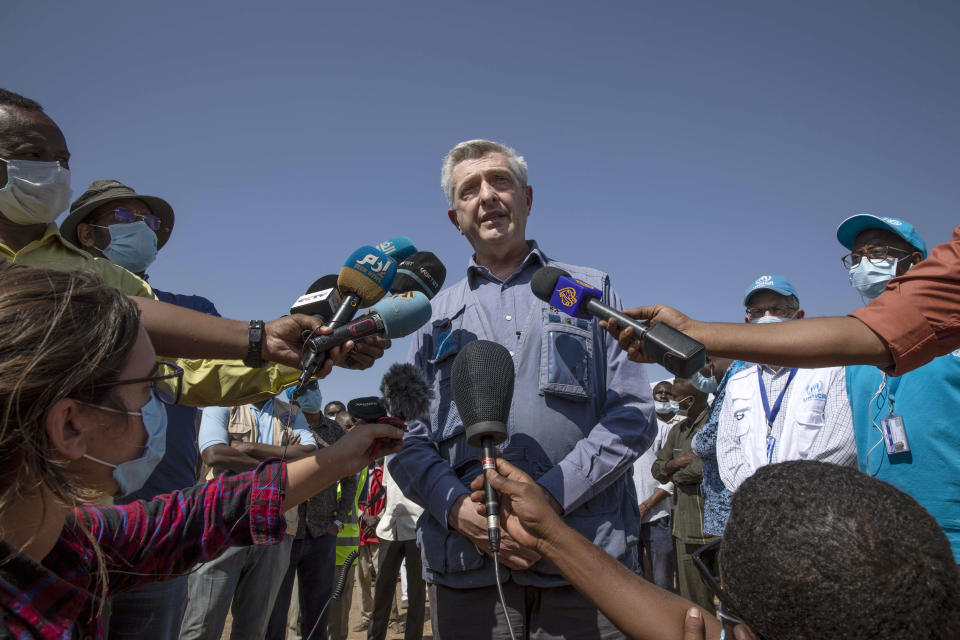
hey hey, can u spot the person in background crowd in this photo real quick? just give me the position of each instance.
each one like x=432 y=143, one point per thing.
x=586 y=415
x=313 y=553
x=665 y=405
x=83 y=418
x=655 y=502
x=906 y=426
x=371 y=502
x=676 y=463
x=397 y=532
x=774 y=414
x=716 y=496
x=238 y=439
x=154 y=611
x=891 y=572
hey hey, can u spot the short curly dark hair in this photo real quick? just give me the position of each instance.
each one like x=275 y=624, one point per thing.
x=815 y=550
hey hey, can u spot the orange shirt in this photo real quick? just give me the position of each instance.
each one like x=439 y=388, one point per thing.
x=918 y=314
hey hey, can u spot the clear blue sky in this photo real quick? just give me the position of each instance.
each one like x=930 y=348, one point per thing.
x=685 y=147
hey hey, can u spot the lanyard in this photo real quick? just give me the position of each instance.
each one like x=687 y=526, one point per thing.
x=772 y=414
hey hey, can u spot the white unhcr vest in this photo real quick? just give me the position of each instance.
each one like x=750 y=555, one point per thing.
x=803 y=402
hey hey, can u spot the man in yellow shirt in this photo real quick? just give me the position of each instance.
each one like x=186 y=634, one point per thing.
x=35 y=189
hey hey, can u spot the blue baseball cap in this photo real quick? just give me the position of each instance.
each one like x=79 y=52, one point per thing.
x=849 y=228
x=777 y=284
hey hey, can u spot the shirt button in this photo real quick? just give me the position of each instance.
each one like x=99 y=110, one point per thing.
x=509 y=317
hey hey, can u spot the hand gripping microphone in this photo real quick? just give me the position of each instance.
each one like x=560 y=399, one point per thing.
x=393 y=317
x=399 y=248
x=482 y=382
x=677 y=352
x=423 y=272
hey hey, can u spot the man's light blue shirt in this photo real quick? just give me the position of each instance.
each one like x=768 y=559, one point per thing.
x=213 y=426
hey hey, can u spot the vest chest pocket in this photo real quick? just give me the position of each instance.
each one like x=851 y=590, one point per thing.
x=447 y=338
x=566 y=357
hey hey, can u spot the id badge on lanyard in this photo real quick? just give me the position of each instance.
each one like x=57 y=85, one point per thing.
x=894 y=431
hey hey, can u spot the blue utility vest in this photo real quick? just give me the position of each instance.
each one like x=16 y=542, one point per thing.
x=567 y=357
x=928 y=398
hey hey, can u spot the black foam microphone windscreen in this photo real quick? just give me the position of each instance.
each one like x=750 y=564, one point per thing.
x=544 y=281
x=423 y=272
x=482 y=383
x=405 y=391
x=324 y=282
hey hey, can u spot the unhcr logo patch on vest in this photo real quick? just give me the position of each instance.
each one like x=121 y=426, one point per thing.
x=814 y=391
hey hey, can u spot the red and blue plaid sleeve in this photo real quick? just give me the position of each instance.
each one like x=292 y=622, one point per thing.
x=165 y=537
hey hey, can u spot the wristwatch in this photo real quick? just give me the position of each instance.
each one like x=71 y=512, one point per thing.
x=254 y=357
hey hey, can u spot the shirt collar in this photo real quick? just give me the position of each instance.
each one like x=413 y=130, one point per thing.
x=534 y=256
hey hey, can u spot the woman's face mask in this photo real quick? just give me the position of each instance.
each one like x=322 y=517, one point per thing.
x=131 y=475
x=36 y=192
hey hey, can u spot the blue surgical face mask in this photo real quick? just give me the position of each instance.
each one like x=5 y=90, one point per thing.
x=311 y=401
x=684 y=412
x=704 y=383
x=133 y=246
x=663 y=407
x=131 y=475
x=674 y=406
x=870 y=279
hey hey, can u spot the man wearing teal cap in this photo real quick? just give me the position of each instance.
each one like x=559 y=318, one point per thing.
x=774 y=414
x=906 y=426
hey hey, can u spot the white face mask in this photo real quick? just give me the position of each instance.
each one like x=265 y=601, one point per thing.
x=768 y=319
x=662 y=408
x=36 y=192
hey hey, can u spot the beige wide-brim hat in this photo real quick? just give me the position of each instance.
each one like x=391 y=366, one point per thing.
x=103 y=191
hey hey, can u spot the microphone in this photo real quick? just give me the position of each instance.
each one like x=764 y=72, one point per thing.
x=399 y=248
x=321 y=300
x=394 y=317
x=367 y=408
x=405 y=391
x=677 y=352
x=482 y=383
x=423 y=272
x=365 y=277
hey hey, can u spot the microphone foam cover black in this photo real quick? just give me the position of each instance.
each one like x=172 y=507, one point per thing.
x=544 y=281
x=405 y=391
x=326 y=282
x=422 y=272
x=368 y=408
x=482 y=383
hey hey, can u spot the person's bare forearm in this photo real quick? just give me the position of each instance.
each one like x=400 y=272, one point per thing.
x=262 y=451
x=639 y=608
x=809 y=343
x=184 y=333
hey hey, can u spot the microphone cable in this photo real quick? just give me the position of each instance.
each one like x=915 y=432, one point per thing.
x=503 y=600
x=337 y=589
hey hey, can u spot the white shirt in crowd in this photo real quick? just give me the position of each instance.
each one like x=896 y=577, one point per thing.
x=645 y=482
x=398 y=521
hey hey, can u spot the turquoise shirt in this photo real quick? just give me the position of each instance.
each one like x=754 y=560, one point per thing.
x=928 y=399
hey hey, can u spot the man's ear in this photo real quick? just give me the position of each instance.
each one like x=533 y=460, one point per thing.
x=66 y=437
x=528 y=191
x=86 y=235
x=452 y=214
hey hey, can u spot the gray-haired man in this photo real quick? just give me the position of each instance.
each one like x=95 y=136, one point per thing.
x=581 y=414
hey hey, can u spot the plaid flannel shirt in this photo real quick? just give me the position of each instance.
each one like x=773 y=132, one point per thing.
x=142 y=542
